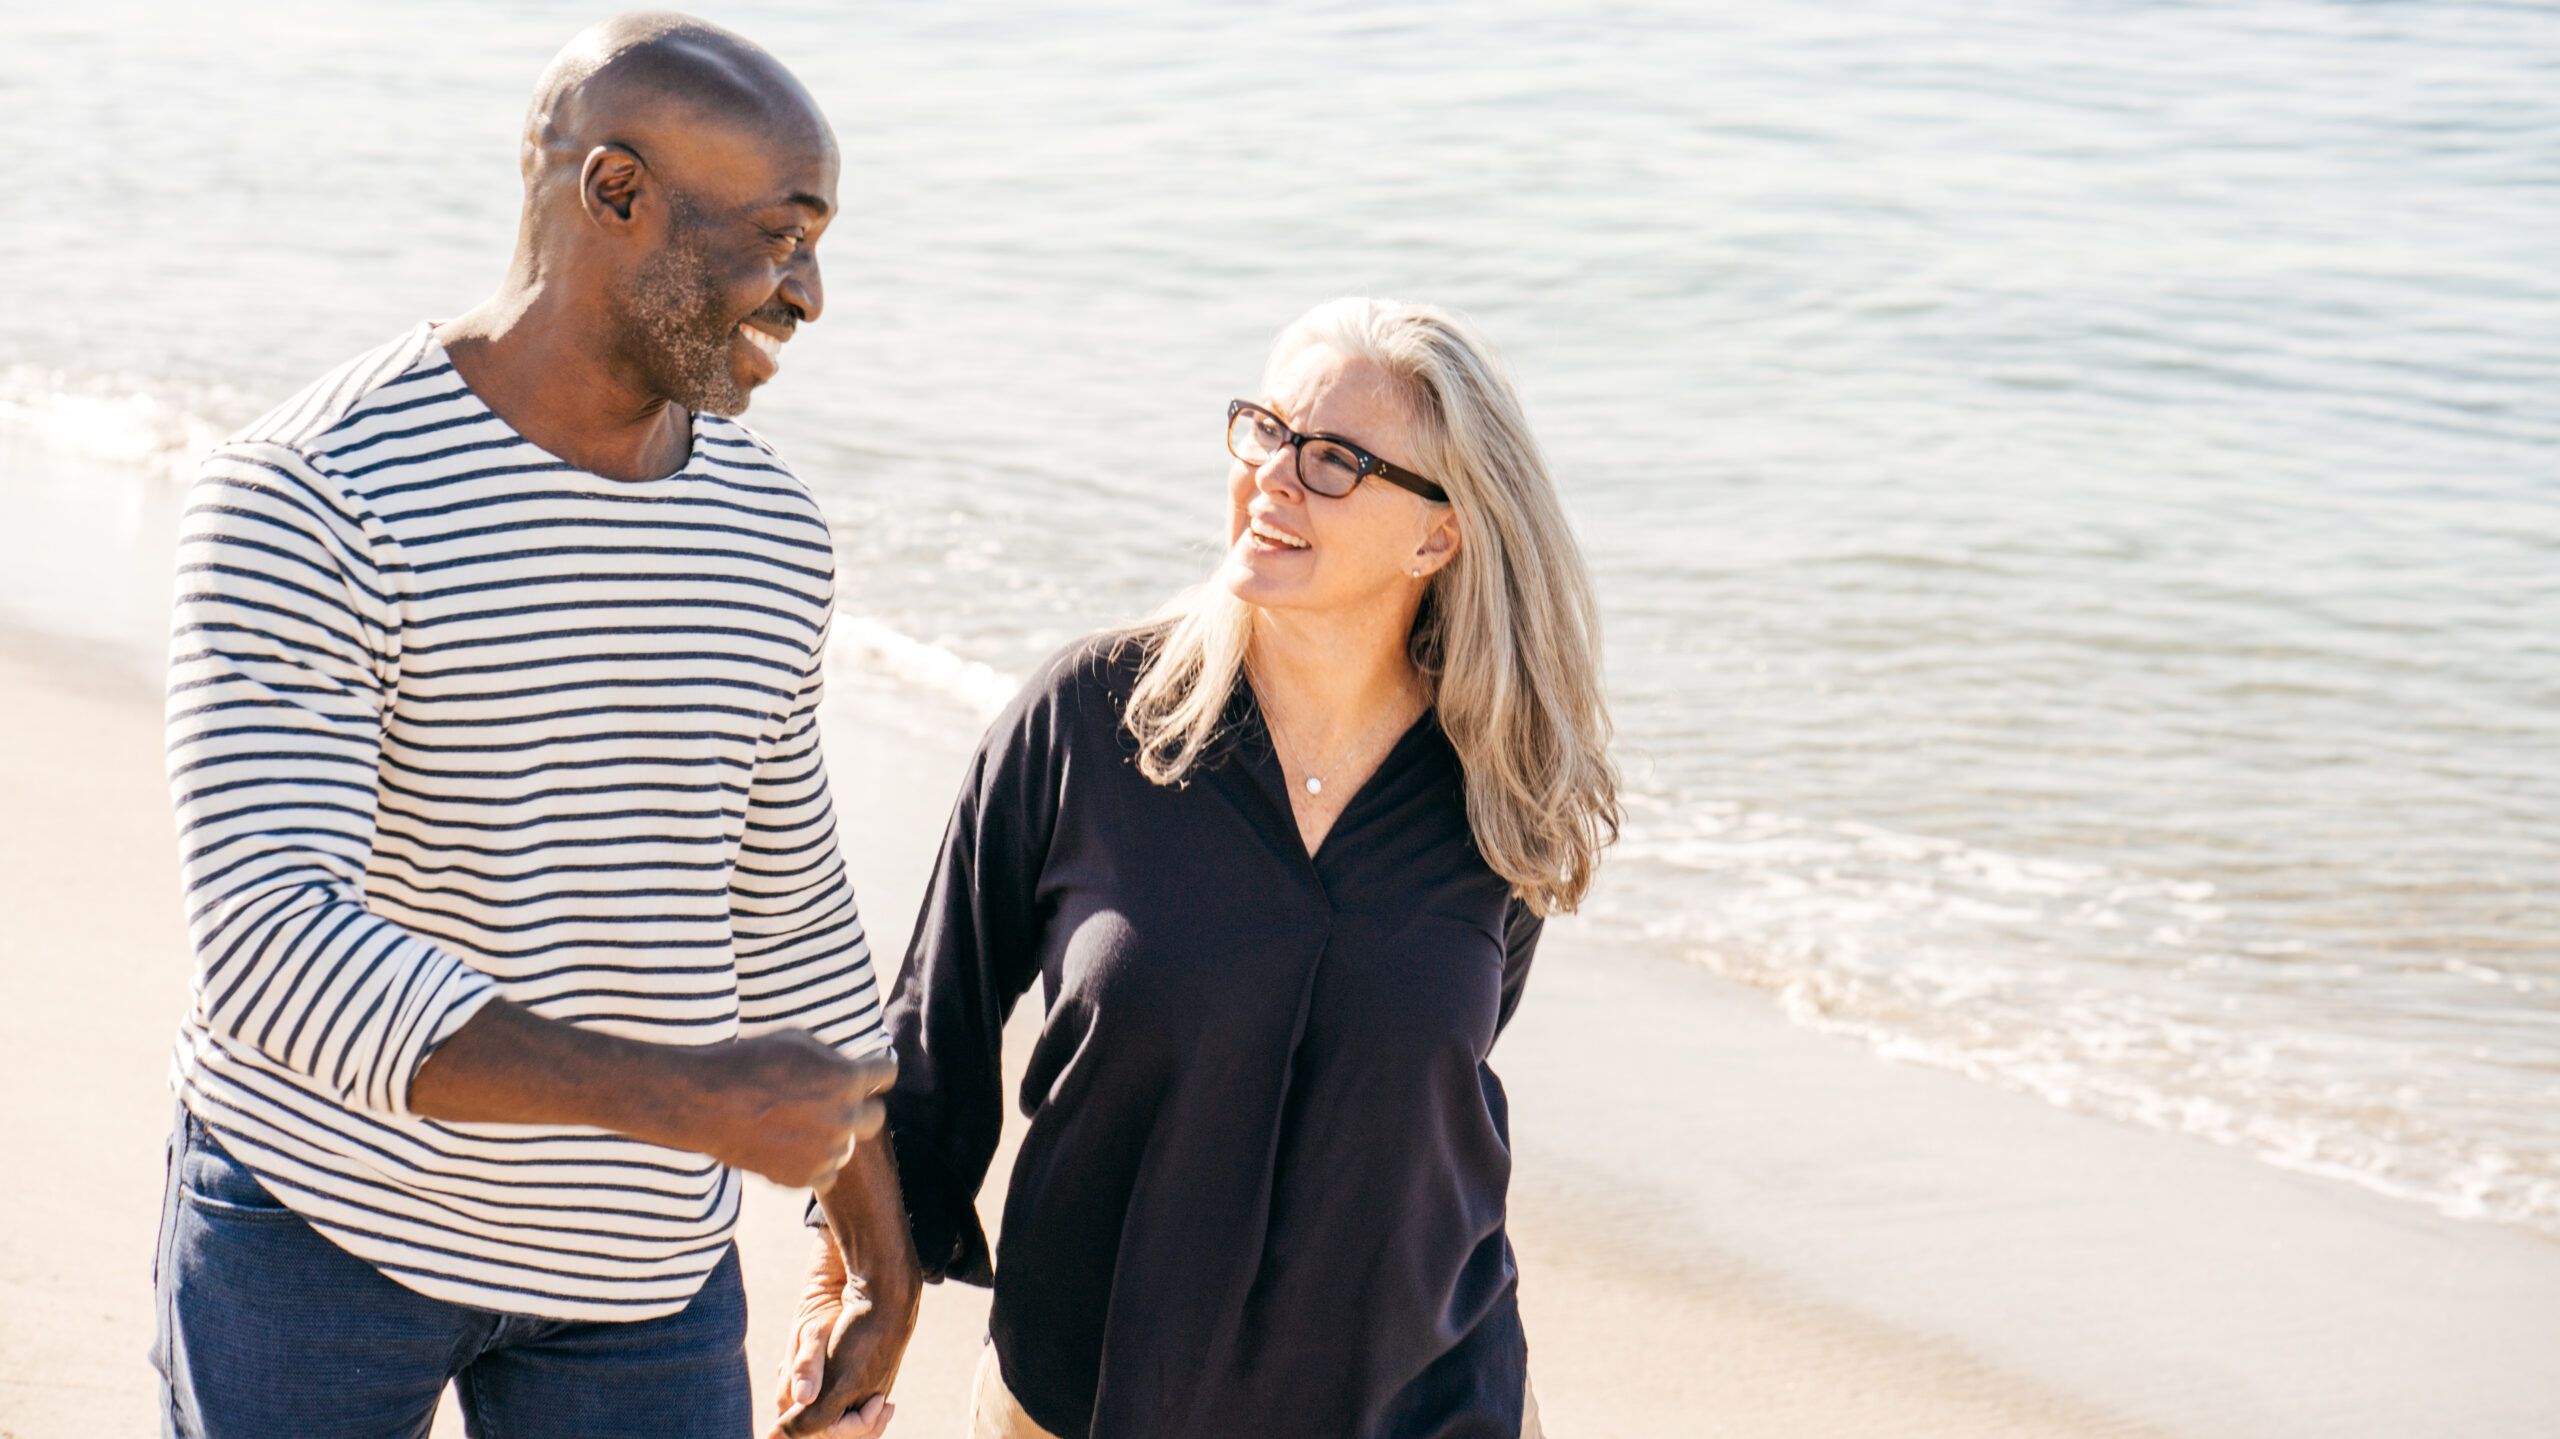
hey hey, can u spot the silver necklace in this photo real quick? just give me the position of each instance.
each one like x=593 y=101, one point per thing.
x=1315 y=779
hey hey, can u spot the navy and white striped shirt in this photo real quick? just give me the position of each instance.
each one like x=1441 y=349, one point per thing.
x=451 y=719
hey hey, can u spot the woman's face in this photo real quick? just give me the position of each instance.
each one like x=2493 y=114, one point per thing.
x=1291 y=548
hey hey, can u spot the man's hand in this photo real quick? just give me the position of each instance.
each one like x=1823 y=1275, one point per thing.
x=782 y=1105
x=858 y=1310
x=845 y=1349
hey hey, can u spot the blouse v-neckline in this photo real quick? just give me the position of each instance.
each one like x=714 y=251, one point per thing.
x=1262 y=759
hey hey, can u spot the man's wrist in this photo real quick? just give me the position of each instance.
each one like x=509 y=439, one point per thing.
x=865 y=1235
x=893 y=1284
x=669 y=1109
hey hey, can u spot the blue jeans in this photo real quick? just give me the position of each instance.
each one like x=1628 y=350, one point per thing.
x=268 y=1329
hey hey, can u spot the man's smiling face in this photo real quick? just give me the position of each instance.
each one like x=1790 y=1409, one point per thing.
x=705 y=315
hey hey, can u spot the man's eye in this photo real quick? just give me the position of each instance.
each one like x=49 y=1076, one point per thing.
x=1266 y=431
x=788 y=240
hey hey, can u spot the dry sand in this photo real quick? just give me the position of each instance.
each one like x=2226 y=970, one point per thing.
x=1734 y=1234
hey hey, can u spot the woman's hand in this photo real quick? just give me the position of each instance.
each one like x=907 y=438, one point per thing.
x=845 y=1351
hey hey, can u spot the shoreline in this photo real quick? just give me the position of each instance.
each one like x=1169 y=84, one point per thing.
x=1732 y=1225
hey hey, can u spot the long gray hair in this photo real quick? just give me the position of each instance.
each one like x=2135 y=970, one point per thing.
x=1508 y=636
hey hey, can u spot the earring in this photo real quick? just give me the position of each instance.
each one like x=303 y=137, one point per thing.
x=1417 y=574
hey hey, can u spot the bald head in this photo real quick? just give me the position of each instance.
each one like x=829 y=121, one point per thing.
x=653 y=81
x=676 y=181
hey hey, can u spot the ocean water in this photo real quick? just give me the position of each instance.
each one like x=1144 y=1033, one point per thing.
x=2075 y=488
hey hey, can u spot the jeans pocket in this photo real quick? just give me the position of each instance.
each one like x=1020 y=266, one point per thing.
x=218 y=1185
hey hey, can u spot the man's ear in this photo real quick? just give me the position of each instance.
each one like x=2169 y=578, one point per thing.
x=611 y=182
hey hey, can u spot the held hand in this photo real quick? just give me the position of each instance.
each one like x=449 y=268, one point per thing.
x=845 y=1352
x=784 y=1105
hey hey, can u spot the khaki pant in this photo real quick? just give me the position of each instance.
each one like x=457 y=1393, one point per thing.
x=993 y=1414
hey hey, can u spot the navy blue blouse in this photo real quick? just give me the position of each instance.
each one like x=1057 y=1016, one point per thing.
x=1262 y=1190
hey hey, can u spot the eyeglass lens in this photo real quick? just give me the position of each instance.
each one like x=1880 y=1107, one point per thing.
x=1324 y=466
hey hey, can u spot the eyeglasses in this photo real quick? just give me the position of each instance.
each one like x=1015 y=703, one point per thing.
x=1327 y=466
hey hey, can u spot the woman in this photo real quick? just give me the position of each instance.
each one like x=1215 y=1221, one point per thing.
x=1278 y=862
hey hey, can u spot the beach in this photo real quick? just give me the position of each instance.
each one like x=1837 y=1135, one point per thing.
x=2071 y=496
x=1726 y=1225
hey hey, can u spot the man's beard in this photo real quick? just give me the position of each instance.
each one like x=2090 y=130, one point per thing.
x=676 y=328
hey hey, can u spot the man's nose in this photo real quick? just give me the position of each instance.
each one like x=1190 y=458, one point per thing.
x=803 y=291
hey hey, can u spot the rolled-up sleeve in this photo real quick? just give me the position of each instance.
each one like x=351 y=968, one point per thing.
x=283 y=636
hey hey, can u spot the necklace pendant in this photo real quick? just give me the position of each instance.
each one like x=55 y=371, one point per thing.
x=1314 y=785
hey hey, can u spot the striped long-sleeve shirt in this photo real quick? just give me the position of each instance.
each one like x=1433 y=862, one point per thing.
x=451 y=719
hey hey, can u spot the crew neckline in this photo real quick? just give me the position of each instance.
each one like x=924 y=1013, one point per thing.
x=434 y=353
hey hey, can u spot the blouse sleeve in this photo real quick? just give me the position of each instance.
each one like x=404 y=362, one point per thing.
x=974 y=953
x=1521 y=927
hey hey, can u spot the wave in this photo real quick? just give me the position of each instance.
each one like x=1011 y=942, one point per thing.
x=2461 y=1179
x=151 y=429
x=861 y=643
x=2135 y=997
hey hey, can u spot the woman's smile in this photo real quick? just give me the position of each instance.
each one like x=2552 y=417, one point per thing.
x=1268 y=536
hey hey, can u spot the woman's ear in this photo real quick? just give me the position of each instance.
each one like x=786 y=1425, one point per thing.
x=1439 y=545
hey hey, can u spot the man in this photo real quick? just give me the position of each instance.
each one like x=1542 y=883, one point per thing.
x=519 y=919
